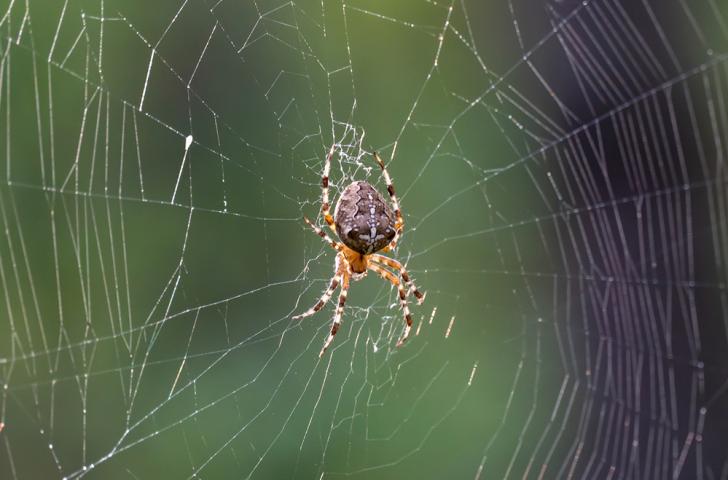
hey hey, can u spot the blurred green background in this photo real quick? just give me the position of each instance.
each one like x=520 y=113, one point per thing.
x=149 y=288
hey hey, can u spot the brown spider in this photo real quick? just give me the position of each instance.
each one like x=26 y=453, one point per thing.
x=365 y=224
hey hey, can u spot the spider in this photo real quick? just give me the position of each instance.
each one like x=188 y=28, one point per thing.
x=365 y=224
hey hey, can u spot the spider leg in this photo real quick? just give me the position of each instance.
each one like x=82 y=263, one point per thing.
x=386 y=274
x=339 y=311
x=327 y=294
x=325 y=207
x=409 y=283
x=334 y=244
x=399 y=223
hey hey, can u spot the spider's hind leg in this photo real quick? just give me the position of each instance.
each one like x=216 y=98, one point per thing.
x=325 y=206
x=338 y=246
x=399 y=222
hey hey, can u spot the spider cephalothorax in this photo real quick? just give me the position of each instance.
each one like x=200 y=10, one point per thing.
x=366 y=224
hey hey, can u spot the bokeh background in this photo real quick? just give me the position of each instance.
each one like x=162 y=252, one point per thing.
x=561 y=170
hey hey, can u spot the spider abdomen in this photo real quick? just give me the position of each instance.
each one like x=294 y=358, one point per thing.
x=364 y=221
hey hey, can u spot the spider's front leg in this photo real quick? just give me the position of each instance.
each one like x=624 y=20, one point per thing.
x=339 y=310
x=408 y=282
x=327 y=294
x=387 y=275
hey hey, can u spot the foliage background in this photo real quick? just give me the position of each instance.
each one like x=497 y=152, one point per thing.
x=129 y=305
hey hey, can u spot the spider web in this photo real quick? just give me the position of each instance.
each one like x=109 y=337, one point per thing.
x=561 y=171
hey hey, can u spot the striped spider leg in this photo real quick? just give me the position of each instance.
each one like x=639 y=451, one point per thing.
x=399 y=223
x=341 y=275
x=339 y=310
x=397 y=266
x=338 y=271
x=387 y=275
x=325 y=206
x=338 y=246
x=327 y=294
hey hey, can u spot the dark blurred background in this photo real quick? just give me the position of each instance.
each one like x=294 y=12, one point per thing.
x=561 y=170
